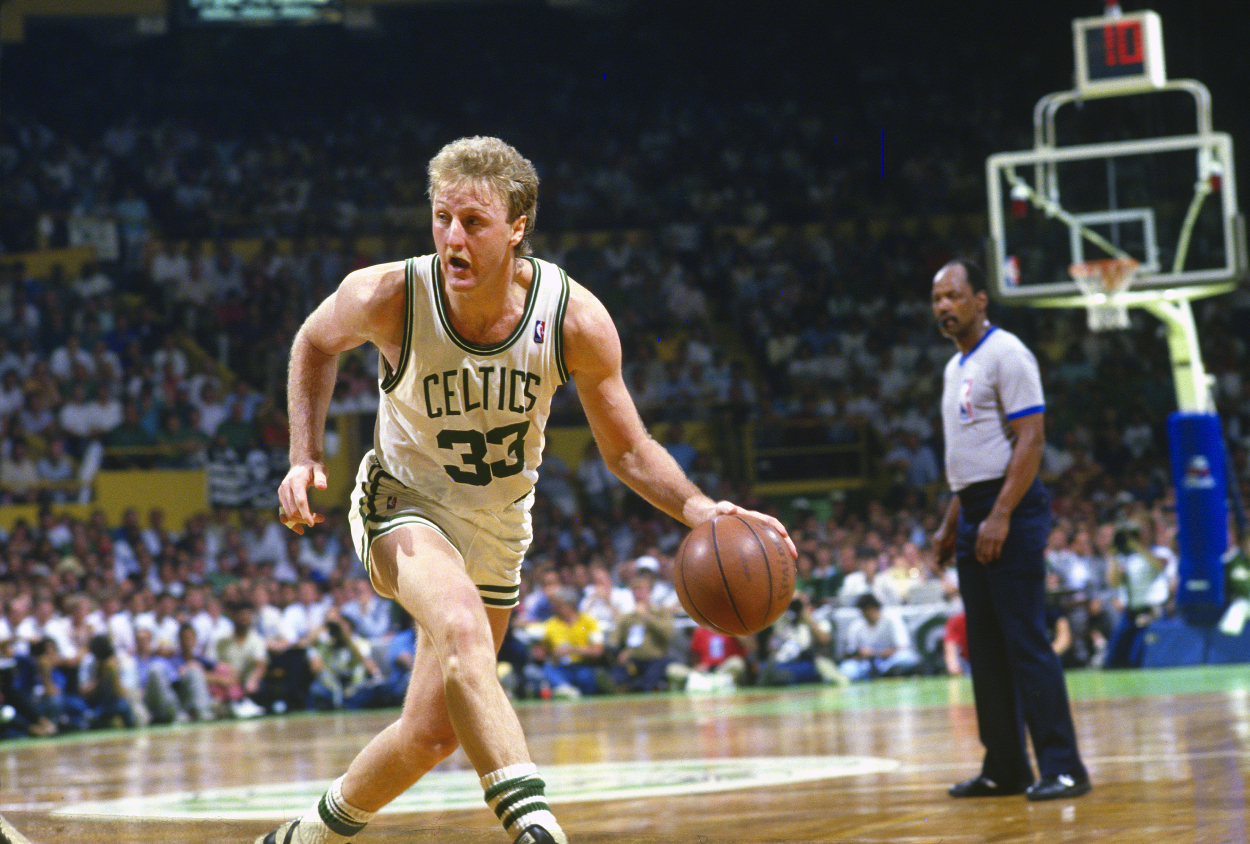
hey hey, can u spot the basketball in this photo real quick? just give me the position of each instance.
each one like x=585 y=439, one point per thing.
x=734 y=574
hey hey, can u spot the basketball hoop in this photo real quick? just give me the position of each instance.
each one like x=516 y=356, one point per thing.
x=1101 y=281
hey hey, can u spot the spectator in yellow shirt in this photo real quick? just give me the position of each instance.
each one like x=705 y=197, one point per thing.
x=571 y=648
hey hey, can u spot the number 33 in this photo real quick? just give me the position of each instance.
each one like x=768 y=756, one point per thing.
x=474 y=458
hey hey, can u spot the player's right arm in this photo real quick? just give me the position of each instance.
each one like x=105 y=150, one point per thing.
x=368 y=307
x=593 y=354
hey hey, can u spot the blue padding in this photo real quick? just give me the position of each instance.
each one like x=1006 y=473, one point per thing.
x=1223 y=649
x=1169 y=642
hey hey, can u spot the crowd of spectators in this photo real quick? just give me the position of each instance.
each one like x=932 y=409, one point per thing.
x=232 y=616
x=761 y=272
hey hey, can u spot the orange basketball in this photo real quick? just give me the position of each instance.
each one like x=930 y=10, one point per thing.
x=734 y=574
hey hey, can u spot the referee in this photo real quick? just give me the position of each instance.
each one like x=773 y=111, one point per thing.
x=995 y=528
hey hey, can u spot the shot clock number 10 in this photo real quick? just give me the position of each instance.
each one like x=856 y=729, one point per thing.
x=1119 y=54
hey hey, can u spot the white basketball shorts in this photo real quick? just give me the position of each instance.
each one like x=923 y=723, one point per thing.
x=491 y=544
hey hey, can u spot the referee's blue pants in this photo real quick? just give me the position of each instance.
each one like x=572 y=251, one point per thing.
x=1017 y=679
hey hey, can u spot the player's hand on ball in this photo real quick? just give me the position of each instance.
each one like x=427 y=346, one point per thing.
x=728 y=508
x=734 y=573
x=294 y=510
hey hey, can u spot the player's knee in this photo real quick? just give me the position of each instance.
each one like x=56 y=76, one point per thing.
x=441 y=742
x=467 y=646
x=433 y=741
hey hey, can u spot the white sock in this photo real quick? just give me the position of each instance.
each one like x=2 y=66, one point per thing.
x=333 y=820
x=517 y=796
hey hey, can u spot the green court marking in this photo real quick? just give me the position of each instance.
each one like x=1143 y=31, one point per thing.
x=451 y=790
x=1094 y=685
x=1086 y=684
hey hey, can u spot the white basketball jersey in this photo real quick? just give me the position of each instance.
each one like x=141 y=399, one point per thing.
x=464 y=424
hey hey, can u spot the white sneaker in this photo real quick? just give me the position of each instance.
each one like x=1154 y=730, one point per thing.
x=829 y=672
x=566 y=692
x=284 y=834
x=246 y=708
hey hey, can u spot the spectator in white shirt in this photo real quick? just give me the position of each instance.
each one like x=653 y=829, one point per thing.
x=28 y=356
x=65 y=358
x=57 y=472
x=206 y=373
x=859 y=580
x=120 y=619
x=368 y=612
x=266 y=543
x=163 y=623
x=106 y=409
x=16 y=612
x=211 y=623
x=37 y=416
x=267 y=621
x=170 y=358
x=169 y=268
x=43 y=622
x=303 y=617
x=878 y=643
x=19 y=475
x=12 y=396
x=91 y=281
x=76 y=417
x=194 y=292
x=213 y=409
x=603 y=600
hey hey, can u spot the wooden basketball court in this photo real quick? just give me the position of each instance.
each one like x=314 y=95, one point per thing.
x=1167 y=749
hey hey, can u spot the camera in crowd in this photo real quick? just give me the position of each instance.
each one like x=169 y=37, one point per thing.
x=1127 y=536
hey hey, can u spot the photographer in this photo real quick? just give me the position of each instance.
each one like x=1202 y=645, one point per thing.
x=798 y=645
x=1134 y=568
x=345 y=674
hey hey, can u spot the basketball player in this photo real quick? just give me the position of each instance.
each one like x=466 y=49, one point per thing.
x=996 y=528
x=473 y=342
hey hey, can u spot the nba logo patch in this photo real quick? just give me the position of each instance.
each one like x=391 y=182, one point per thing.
x=965 y=401
x=392 y=502
x=540 y=330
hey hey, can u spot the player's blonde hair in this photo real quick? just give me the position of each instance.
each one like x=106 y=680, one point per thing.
x=489 y=161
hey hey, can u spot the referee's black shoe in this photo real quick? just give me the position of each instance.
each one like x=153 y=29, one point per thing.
x=1058 y=787
x=983 y=786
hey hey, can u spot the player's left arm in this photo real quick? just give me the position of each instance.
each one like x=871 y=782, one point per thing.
x=592 y=354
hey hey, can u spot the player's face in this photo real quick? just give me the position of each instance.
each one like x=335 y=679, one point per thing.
x=474 y=239
x=958 y=310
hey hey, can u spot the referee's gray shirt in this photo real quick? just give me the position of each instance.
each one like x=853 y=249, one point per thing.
x=982 y=391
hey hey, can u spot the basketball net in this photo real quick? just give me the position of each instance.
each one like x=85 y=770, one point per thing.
x=1102 y=281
